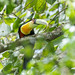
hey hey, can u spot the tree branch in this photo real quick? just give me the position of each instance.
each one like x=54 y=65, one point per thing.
x=49 y=36
x=58 y=14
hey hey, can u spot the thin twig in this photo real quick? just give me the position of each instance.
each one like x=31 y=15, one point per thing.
x=25 y=6
x=57 y=14
x=28 y=4
x=16 y=16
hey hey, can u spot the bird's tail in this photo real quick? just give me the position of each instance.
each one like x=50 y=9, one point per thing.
x=25 y=62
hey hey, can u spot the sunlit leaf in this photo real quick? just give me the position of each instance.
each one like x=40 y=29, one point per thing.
x=1 y=66
x=55 y=72
x=53 y=14
x=18 y=13
x=4 y=29
x=9 y=20
x=23 y=15
x=6 y=54
x=29 y=3
x=40 y=5
x=54 y=7
x=71 y=13
x=1 y=21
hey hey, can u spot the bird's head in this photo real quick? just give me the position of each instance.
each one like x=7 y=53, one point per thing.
x=26 y=28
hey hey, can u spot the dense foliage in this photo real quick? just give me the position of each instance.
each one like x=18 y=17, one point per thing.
x=50 y=57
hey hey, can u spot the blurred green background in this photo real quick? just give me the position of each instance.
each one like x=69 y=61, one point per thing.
x=49 y=57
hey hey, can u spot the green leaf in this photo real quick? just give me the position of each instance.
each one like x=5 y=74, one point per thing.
x=17 y=63
x=23 y=14
x=29 y=3
x=58 y=40
x=36 y=15
x=6 y=54
x=33 y=71
x=54 y=7
x=70 y=12
x=9 y=8
x=27 y=51
x=52 y=28
x=7 y=68
x=4 y=29
x=69 y=63
x=1 y=6
x=31 y=16
x=13 y=57
x=40 y=6
x=9 y=20
x=55 y=72
x=1 y=21
x=1 y=66
x=40 y=43
x=18 y=13
x=51 y=1
x=40 y=28
x=52 y=16
x=16 y=23
x=49 y=49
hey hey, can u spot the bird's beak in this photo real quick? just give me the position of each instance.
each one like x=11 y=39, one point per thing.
x=36 y=22
x=41 y=21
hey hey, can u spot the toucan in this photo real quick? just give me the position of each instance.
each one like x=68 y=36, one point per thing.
x=27 y=29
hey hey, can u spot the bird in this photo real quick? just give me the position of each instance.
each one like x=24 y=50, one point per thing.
x=27 y=29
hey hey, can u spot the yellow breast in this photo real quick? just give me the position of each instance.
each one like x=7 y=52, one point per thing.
x=26 y=29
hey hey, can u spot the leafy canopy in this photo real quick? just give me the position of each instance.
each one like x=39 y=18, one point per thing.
x=49 y=57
